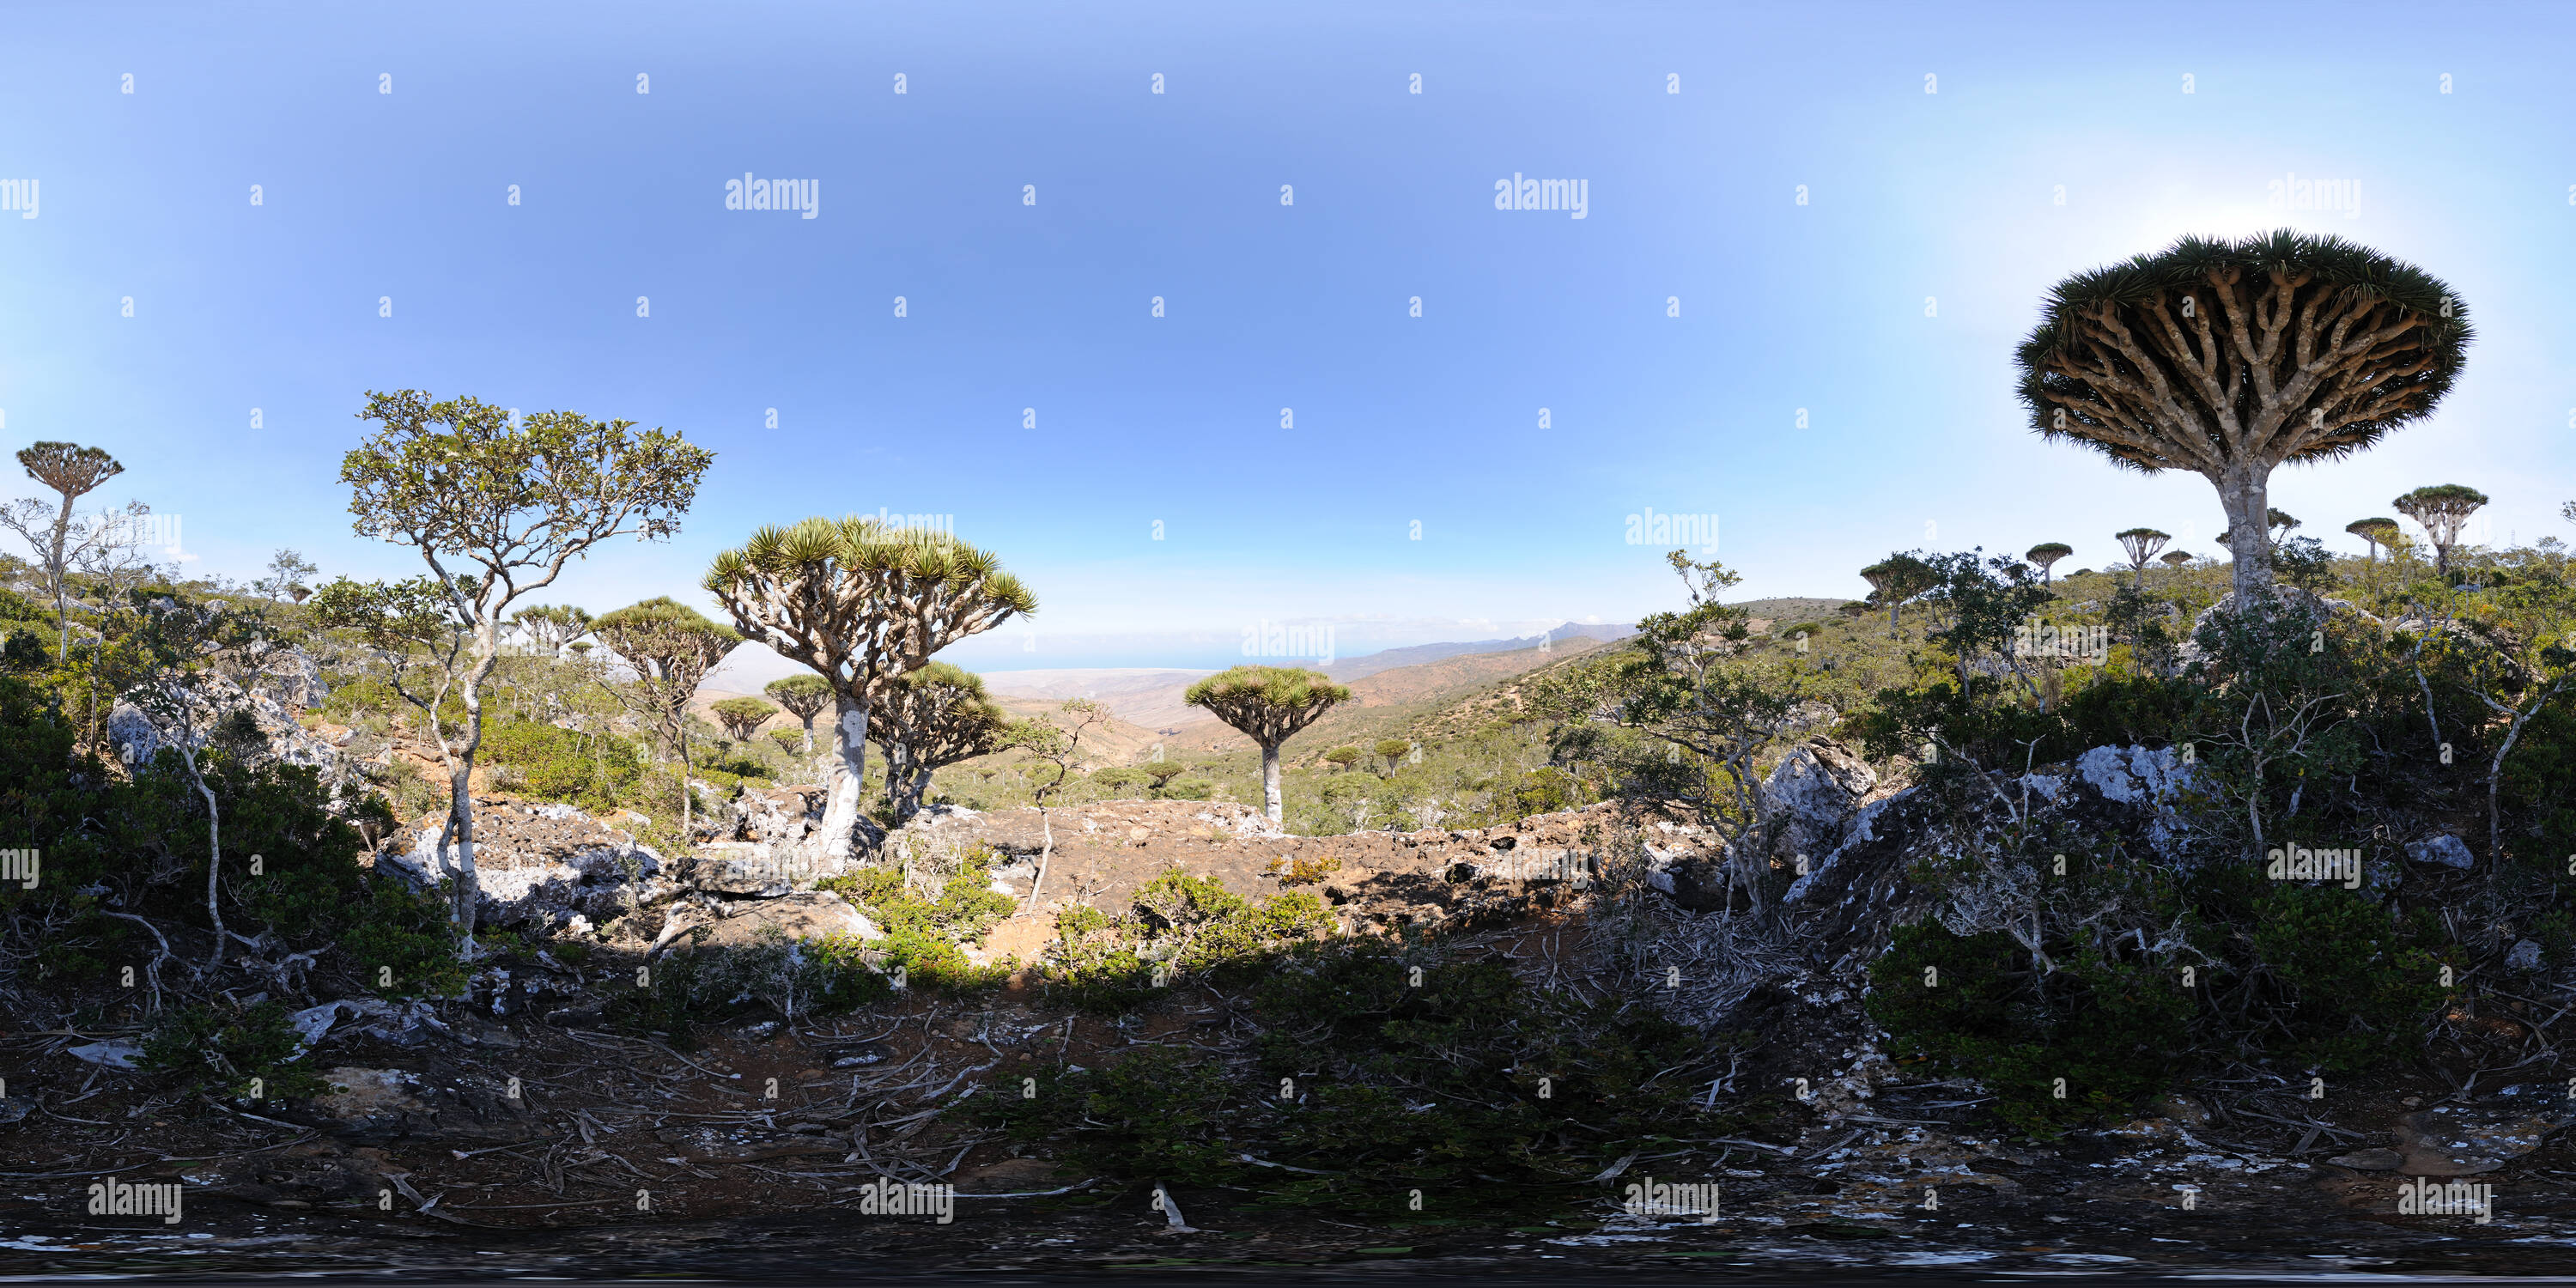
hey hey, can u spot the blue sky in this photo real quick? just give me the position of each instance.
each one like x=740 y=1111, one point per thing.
x=1944 y=203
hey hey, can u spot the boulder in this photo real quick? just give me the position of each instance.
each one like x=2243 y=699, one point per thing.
x=138 y=736
x=541 y=866
x=2481 y=1136
x=293 y=679
x=389 y=1104
x=1811 y=796
x=810 y=915
x=2444 y=849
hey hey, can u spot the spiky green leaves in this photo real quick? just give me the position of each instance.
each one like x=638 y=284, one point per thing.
x=2442 y=509
x=551 y=626
x=2142 y=544
x=858 y=600
x=936 y=717
x=2048 y=552
x=68 y=468
x=2212 y=355
x=1267 y=703
x=2440 y=499
x=666 y=639
x=1898 y=578
x=802 y=695
x=671 y=647
x=742 y=717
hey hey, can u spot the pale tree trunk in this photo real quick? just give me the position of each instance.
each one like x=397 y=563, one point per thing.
x=2244 y=492
x=61 y=575
x=1270 y=780
x=1046 y=855
x=687 y=802
x=466 y=898
x=809 y=734
x=898 y=775
x=215 y=859
x=487 y=650
x=850 y=748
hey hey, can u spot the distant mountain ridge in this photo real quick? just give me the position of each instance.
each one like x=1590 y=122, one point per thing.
x=1350 y=669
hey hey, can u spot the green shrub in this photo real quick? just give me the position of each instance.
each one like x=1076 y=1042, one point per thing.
x=592 y=770
x=400 y=943
x=698 y=984
x=1473 y=1085
x=923 y=936
x=230 y=1051
x=1179 y=925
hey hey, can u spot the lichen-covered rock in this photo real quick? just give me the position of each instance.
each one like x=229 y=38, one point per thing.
x=809 y=915
x=1811 y=797
x=138 y=736
x=2444 y=849
x=541 y=866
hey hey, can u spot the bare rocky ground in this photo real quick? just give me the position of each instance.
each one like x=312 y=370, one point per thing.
x=746 y=1157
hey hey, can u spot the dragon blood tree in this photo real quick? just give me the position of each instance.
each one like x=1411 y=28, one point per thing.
x=1898 y=578
x=860 y=603
x=2375 y=532
x=804 y=697
x=2142 y=545
x=2441 y=509
x=2228 y=359
x=2045 y=555
x=1267 y=704
x=928 y=720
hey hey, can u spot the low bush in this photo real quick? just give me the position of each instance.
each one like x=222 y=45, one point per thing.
x=239 y=1052
x=1371 y=1081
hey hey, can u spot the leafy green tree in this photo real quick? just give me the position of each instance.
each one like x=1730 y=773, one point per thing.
x=670 y=647
x=549 y=627
x=1392 y=751
x=1690 y=679
x=742 y=717
x=1055 y=742
x=185 y=649
x=73 y=472
x=1164 y=771
x=2305 y=562
x=424 y=647
x=2228 y=359
x=2176 y=559
x=1343 y=757
x=2374 y=532
x=804 y=697
x=860 y=603
x=287 y=573
x=2046 y=554
x=2142 y=545
x=497 y=506
x=2514 y=649
x=2441 y=510
x=933 y=718
x=1267 y=704
x=1980 y=606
